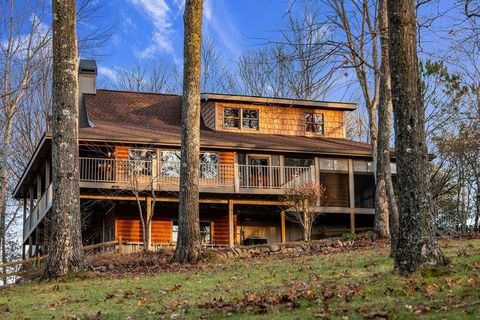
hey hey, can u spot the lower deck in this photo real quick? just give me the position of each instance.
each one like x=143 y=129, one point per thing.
x=223 y=222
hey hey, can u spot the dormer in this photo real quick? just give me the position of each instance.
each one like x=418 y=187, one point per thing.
x=247 y=114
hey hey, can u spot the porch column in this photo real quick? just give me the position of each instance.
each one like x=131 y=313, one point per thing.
x=282 y=219
x=47 y=174
x=351 y=191
x=231 y=231
x=24 y=220
x=31 y=206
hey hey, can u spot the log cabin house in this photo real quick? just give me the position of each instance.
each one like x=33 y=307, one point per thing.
x=251 y=148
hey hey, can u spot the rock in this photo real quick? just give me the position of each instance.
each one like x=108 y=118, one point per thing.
x=274 y=247
x=339 y=243
x=230 y=254
x=110 y=267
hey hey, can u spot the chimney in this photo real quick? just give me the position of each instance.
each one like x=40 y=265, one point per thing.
x=87 y=83
x=87 y=76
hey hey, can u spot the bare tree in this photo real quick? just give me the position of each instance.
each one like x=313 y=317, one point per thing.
x=142 y=182
x=417 y=245
x=22 y=39
x=189 y=246
x=364 y=27
x=66 y=251
x=299 y=65
x=154 y=76
x=304 y=202
x=386 y=215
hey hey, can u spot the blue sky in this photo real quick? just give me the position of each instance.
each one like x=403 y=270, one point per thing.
x=154 y=28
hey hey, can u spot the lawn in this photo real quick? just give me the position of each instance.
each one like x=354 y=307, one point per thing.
x=349 y=285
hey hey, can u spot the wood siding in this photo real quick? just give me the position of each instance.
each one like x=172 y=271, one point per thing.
x=208 y=115
x=285 y=120
x=220 y=230
x=130 y=228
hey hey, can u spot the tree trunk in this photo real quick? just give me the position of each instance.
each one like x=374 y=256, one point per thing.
x=66 y=252
x=189 y=247
x=417 y=244
x=386 y=215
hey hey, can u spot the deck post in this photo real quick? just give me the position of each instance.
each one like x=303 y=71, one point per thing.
x=282 y=220
x=351 y=192
x=31 y=206
x=24 y=220
x=231 y=235
x=312 y=173
x=236 y=177
x=30 y=243
x=149 y=225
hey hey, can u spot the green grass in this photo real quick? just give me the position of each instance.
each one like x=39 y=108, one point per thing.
x=356 y=285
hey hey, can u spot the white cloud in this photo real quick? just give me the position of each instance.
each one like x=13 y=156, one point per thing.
x=158 y=13
x=108 y=73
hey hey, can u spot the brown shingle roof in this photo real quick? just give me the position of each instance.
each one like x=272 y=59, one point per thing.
x=156 y=118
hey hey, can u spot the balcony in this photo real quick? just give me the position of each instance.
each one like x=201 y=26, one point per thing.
x=164 y=176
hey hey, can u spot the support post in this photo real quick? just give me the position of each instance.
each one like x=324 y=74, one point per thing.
x=30 y=244
x=312 y=173
x=231 y=235
x=351 y=192
x=149 y=225
x=30 y=191
x=282 y=219
x=236 y=177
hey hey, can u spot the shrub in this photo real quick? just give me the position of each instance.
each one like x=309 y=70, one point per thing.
x=348 y=236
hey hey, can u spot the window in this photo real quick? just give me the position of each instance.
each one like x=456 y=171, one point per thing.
x=314 y=122
x=244 y=118
x=334 y=164
x=143 y=159
x=205 y=232
x=208 y=165
x=170 y=164
x=250 y=119
x=231 y=118
x=297 y=162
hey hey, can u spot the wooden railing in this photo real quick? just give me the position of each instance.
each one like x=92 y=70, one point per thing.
x=161 y=174
x=273 y=177
x=36 y=215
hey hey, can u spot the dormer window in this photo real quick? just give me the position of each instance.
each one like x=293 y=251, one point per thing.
x=240 y=118
x=314 y=123
x=250 y=119
x=231 y=118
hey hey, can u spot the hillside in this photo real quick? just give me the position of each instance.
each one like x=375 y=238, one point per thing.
x=358 y=284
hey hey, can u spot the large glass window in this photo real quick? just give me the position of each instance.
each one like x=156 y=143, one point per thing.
x=170 y=164
x=143 y=161
x=209 y=165
x=314 y=122
x=240 y=118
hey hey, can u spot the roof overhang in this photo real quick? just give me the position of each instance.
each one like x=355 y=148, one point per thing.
x=279 y=101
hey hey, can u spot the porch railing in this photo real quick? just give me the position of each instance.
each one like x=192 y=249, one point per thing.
x=273 y=177
x=43 y=205
x=211 y=175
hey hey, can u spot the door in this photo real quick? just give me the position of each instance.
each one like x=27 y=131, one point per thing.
x=258 y=171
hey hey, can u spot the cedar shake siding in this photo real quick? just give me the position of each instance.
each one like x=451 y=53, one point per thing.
x=282 y=120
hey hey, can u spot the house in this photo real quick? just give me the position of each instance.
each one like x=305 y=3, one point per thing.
x=251 y=149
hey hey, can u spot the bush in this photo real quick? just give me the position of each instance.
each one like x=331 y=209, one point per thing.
x=348 y=236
